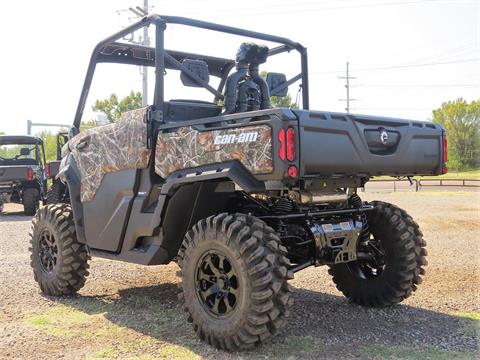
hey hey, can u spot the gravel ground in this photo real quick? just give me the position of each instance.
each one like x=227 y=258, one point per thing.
x=130 y=311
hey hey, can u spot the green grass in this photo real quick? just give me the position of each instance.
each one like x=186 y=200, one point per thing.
x=128 y=347
x=177 y=352
x=58 y=321
x=291 y=346
x=407 y=353
x=65 y=321
x=472 y=326
x=470 y=316
x=471 y=174
x=167 y=351
x=107 y=353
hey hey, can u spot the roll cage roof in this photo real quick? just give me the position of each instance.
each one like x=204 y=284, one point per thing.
x=20 y=140
x=111 y=51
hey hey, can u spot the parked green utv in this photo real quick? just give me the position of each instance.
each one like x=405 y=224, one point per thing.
x=240 y=194
x=22 y=177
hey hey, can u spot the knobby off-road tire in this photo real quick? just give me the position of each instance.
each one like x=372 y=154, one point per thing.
x=404 y=247
x=251 y=251
x=31 y=199
x=55 y=193
x=59 y=261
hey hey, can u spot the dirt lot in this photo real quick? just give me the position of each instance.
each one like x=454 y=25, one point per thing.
x=129 y=311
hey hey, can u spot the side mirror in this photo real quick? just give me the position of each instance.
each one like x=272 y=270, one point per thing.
x=24 y=151
x=197 y=67
x=277 y=84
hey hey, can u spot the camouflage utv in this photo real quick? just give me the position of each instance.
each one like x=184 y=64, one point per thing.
x=241 y=195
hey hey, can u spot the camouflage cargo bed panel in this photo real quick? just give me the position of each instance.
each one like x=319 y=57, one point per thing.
x=187 y=147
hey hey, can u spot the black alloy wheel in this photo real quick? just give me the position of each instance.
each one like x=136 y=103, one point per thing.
x=48 y=250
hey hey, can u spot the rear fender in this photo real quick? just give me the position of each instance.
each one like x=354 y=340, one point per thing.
x=160 y=219
x=70 y=174
x=198 y=194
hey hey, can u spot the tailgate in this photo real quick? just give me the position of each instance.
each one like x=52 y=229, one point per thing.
x=12 y=173
x=52 y=168
x=345 y=144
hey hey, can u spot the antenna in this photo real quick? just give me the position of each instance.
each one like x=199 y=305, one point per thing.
x=136 y=12
x=144 y=11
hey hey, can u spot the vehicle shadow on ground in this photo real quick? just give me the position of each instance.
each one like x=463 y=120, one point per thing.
x=12 y=216
x=320 y=325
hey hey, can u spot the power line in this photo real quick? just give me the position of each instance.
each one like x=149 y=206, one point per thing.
x=346 y=7
x=393 y=67
x=394 y=109
x=419 y=65
x=415 y=85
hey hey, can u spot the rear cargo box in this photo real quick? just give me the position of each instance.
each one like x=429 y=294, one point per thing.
x=342 y=144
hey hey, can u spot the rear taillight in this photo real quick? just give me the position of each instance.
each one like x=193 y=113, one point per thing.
x=30 y=174
x=287 y=149
x=281 y=149
x=290 y=144
x=287 y=144
x=47 y=170
x=445 y=155
x=292 y=171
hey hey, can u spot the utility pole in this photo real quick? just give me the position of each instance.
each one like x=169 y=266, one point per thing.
x=347 y=86
x=146 y=42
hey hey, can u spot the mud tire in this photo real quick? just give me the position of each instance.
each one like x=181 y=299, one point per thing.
x=262 y=267
x=71 y=266
x=55 y=194
x=31 y=201
x=405 y=251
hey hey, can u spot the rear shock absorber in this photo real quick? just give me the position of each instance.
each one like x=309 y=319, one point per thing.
x=356 y=202
x=283 y=206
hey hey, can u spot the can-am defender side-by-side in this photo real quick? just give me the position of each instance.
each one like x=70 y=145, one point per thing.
x=241 y=195
x=57 y=192
x=22 y=177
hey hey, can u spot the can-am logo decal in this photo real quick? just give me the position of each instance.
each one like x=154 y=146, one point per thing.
x=235 y=139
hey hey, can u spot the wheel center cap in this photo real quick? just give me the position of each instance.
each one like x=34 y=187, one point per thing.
x=221 y=284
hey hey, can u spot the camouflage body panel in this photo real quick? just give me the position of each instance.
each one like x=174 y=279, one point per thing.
x=114 y=147
x=188 y=148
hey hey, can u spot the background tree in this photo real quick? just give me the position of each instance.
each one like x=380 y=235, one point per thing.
x=462 y=122
x=113 y=108
x=49 y=144
x=285 y=101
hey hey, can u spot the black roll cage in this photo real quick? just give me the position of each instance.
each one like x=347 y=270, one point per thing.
x=26 y=140
x=111 y=51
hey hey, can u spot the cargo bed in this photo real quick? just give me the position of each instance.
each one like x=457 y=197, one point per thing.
x=13 y=173
x=336 y=144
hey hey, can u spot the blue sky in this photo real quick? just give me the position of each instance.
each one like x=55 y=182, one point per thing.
x=390 y=44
